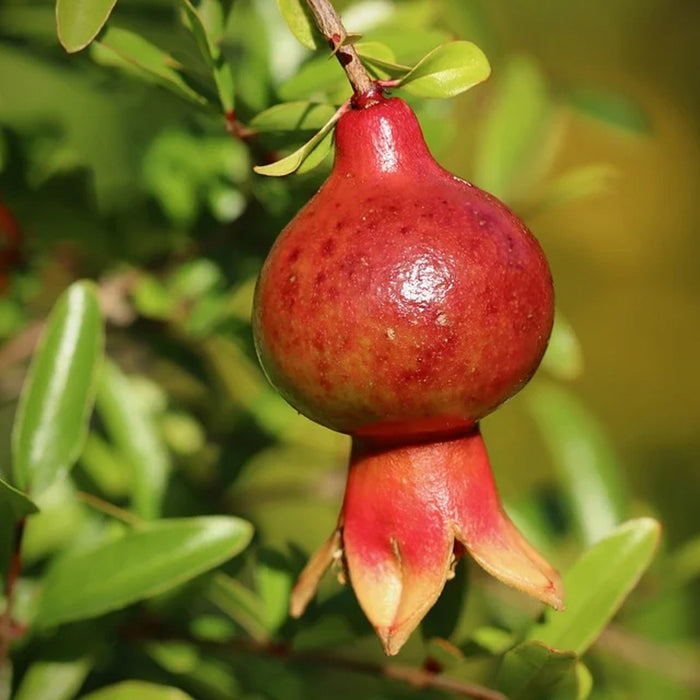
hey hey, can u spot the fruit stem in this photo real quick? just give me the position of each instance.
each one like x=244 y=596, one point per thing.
x=331 y=26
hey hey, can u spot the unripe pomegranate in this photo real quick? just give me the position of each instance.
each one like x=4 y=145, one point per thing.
x=401 y=305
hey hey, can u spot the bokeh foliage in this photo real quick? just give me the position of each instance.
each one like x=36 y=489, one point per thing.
x=130 y=163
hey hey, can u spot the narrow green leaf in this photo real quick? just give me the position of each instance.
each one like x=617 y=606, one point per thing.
x=15 y=502
x=140 y=564
x=511 y=145
x=125 y=49
x=588 y=467
x=211 y=50
x=240 y=603
x=57 y=397
x=274 y=584
x=293 y=116
x=130 y=690
x=317 y=155
x=79 y=21
x=531 y=670
x=597 y=585
x=564 y=356
x=380 y=60
x=584 y=682
x=610 y=108
x=133 y=431
x=447 y=70
x=300 y=21
x=54 y=680
x=574 y=185
x=293 y=161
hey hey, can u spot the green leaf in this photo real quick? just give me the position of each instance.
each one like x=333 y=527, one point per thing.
x=586 y=462
x=531 y=670
x=511 y=145
x=300 y=21
x=316 y=76
x=447 y=70
x=240 y=603
x=54 y=680
x=380 y=60
x=130 y=690
x=51 y=424
x=125 y=49
x=575 y=184
x=274 y=585
x=321 y=140
x=610 y=108
x=131 y=425
x=15 y=502
x=79 y=21
x=211 y=50
x=597 y=585
x=293 y=116
x=140 y=564
x=683 y=565
x=564 y=356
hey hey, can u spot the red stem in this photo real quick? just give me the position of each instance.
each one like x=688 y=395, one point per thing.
x=7 y=627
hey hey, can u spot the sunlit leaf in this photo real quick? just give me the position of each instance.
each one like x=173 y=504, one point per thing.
x=380 y=60
x=589 y=470
x=293 y=161
x=57 y=398
x=293 y=116
x=447 y=71
x=140 y=564
x=564 y=356
x=123 y=48
x=133 y=431
x=209 y=46
x=512 y=142
x=79 y=21
x=575 y=184
x=105 y=467
x=611 y=108
x=300 y=21
x=54 y=680
x=597 y=585
x=531 y=669
x=130 y=690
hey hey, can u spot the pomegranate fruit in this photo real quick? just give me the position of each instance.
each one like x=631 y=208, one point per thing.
x=401 y=305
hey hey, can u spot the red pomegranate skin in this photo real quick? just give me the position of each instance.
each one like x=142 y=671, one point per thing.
x=401 y=301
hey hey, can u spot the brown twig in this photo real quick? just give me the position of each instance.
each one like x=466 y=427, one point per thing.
x=331 y=26
x=109 y=508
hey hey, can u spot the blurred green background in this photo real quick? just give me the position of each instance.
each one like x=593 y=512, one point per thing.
x=594 y=111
